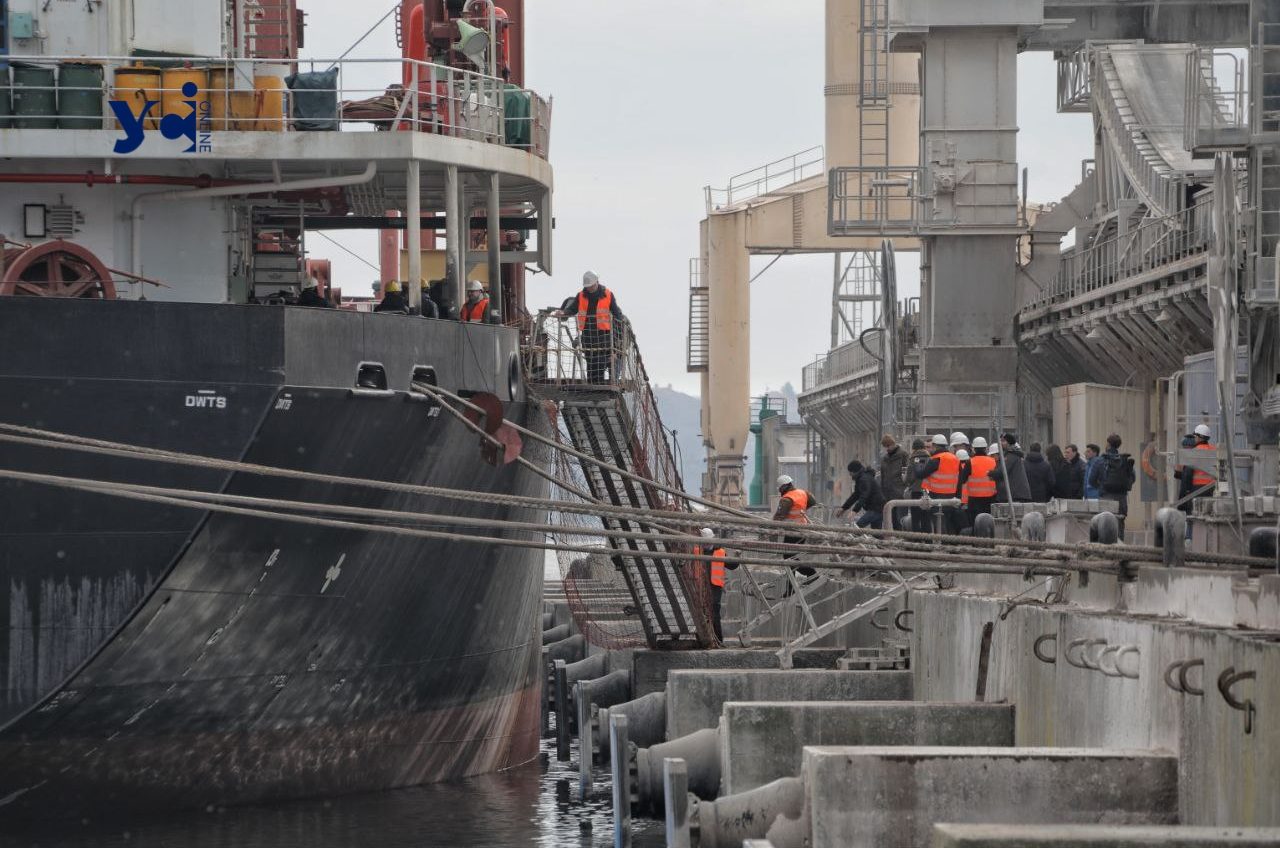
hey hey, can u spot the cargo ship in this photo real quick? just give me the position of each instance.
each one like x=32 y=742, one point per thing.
x=163 y=166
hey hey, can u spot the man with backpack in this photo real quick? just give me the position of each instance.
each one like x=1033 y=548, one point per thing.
x=1114 y=477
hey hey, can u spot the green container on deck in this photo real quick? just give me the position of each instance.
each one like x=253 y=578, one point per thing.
x=35 y=99
x=79 y=96
x=6 y=99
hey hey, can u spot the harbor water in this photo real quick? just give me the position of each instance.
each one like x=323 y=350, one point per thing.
x=534 y=805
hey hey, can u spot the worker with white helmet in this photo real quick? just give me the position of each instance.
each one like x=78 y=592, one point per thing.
x=977 y=488
x=311 y=295
x=597 y=311
x=476 y=308
x=793 y=506
x=959 y=440
x=941 y=479
x=1202 y=478
x=716 y=577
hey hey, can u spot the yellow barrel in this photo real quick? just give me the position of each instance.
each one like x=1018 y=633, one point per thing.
x=219 y=102
x=271 y=90
x=173 y=101
x=135 y=85
x=244 y=110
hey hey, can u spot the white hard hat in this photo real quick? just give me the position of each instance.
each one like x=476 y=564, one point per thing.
x=707 y=533
x=785 y=480
x=959 y=438
x=962 y=455
x=1203 y=430
x=979 y=442
x=940 y=440
x=474 y=285
x=590 y=278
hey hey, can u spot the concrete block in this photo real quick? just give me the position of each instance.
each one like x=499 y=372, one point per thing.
x=761 y=742
x=894 y=796
x=650 y=668
x=1100 y=836
x=696 y=698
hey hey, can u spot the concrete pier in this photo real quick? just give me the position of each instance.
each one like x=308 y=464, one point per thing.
x=1100 y=836
x=651 y=668
x=695 y=699
x=761 y=742
x=894 y=796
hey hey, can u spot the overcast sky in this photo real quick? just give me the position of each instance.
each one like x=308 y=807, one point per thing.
x=655 y=99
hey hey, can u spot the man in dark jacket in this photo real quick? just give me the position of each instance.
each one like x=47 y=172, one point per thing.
x=1040 y=476
x=1114 y=477
x=916 y=464
x=893 y=476
x=393 y=300
x=1010 y=473
x=1069 y=484
x=866 y=496
x=311 y=297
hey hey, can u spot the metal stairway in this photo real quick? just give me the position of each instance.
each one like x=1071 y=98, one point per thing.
x=600 y=424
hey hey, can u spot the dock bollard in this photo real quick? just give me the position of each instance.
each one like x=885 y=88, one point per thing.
x=585 y=755
x=562 y=712
x=621 y=767
x=675 y=788
x=1171 y=536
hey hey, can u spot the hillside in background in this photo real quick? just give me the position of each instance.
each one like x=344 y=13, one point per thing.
x=682 y=412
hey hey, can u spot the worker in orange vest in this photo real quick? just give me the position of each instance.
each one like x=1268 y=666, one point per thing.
x=716 y=573
x=597 y=311
x=977 y=489
x=476 y=309
x=793 y=506
x=1202 y=477
x=941 y=477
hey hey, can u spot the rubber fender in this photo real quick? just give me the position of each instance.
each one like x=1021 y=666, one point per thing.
x=1033 y=527
x=570 y=650
x=773 y=811
x=596 y=665
x=1104 y=529
x=646 y=721
x=609 y=689
x=701 y=752
x=555 y=634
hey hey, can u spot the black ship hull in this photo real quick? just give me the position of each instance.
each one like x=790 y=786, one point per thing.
x=168 y=657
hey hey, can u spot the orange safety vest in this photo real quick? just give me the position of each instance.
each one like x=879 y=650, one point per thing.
x=1203 y=478
x=475 y=311
x=717 y=568
x=799 y=503
x=604 y=314
x=980 y=484
x=945 y=480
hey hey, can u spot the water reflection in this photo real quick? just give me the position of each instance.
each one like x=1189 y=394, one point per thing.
x=536 y=805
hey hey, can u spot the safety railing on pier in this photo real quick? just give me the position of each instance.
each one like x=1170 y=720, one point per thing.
x=1113 y=259
x=875 y=200
x=766 y=178
x=262 y=95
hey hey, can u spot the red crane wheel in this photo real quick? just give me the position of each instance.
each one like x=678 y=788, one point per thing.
x=55 y=269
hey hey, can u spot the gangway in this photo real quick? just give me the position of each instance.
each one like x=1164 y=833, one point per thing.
x=612 y=416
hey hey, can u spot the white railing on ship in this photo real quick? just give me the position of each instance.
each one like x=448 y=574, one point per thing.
x=1116 y=258
x=772 y=176
x=450 y=101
